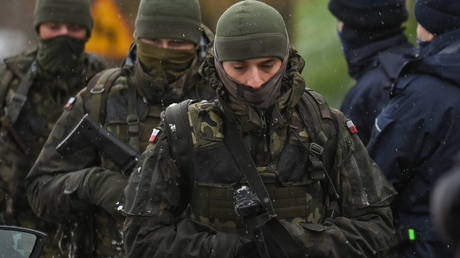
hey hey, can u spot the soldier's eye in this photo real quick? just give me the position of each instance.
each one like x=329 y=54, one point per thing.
x=53 y=26
x=267 y=66
x=76 y=28
x=238 y=67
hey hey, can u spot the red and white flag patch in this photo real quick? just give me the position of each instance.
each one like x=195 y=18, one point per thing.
x=154 y=135
x=351 y=127
x=69 y=103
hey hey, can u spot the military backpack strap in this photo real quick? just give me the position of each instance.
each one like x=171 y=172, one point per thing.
x=313 y=108
x=4 y=86
x=132 y=119
x=177 y=126
x=96 y=93
x=15 y=104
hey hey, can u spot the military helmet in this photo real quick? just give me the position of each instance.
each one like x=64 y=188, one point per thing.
x=251 y=29
x=66 y=11
x=174 y=19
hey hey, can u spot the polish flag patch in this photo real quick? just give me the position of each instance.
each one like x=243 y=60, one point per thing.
x=69 y=103
x=154 y=135
x=351 y=127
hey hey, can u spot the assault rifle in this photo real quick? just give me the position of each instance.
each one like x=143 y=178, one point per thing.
x=249 y=207
x=89 y=132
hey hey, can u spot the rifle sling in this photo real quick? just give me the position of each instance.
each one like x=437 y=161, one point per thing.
x=243 y=159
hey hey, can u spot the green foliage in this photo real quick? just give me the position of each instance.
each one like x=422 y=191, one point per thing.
x=315 y=37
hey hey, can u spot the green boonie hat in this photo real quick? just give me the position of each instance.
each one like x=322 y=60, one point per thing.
x=250 y=29
x=173 y=19
x=67 y=11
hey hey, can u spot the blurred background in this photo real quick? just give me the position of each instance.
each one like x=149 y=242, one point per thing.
x=312 y=30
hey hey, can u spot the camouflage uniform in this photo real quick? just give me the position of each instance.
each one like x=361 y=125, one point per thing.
x=85 y=187
x=21 y=143
x=358 y=224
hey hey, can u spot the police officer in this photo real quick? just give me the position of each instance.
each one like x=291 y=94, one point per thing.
x=416 y=136
x=161 y=68
x=34 y=86
x=376 y=50
x=326 y=198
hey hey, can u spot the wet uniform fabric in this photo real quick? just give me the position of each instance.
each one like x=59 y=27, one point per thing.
x=85 y=187
x=45 y=100
x=158 y=223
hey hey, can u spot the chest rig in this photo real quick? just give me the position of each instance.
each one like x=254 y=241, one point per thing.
x=106 y=98
x=299 y=181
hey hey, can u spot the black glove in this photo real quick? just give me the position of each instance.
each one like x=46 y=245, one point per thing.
x=248 y=250
x=279 y=242
x=104 y=189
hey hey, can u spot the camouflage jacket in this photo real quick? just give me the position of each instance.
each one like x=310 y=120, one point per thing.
x=85 y=187
x=160 y=189
x=45 y=99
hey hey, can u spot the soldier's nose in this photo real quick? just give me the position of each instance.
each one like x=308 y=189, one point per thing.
x=254 y=79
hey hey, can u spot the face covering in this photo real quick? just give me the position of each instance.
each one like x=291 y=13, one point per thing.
x=264 y=97
x=60 y=54
x=164 y=63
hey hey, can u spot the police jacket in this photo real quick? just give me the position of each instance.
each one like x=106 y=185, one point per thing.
x=85 y=186
x=356 y=224
x=417 y=135
x=375 y=67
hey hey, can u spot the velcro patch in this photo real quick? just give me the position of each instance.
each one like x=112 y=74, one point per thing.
x=154 y=135
x=69 y=103
x=351 y=127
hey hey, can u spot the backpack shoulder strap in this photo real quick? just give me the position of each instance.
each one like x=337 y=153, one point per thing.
x=5 y=81
x=96 y=93
x=15 y=104
x=179 y=132
x=178 y=129
x=314 y=110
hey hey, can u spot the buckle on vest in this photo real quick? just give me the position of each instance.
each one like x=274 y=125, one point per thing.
x=18 y=99
x=133 y=124
x=316 y=149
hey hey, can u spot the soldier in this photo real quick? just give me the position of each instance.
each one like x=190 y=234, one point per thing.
x=376 y=50
x=33 y=88
x=416 y=136
x=160 y=69
x=317 y=192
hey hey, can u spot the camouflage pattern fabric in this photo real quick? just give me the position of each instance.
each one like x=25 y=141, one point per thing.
x=159 y=225
x=46 y=99
x=85 y=184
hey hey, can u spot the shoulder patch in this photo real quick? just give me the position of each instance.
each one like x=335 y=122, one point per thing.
x=351 y=127
x=69 y=103
x=154 y=135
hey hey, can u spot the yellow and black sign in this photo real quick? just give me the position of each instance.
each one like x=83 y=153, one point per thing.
x=111 y=35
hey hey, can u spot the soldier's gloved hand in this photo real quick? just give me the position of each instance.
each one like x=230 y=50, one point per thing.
x=248 y=250
x=104 y=189
x=279 y=242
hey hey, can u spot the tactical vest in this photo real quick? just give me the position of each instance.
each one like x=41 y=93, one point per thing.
x=213 y=175
x=132 y=125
